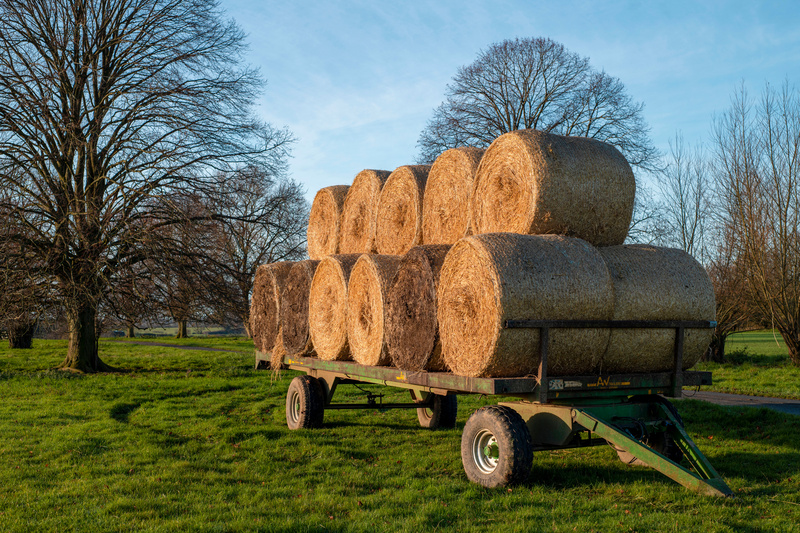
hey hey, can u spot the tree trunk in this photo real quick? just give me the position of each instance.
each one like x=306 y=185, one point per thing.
x=20 y=336
x=130 y=331
x=716 y=350
x=182 y=330
x=246 y=323
x=82 y=352
x=792 y=340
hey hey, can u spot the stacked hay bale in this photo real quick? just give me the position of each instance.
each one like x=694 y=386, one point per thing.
x=265 y=308
x=324 y=221
x=530 y=228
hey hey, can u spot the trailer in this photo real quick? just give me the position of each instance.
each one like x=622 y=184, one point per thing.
x=630 y=412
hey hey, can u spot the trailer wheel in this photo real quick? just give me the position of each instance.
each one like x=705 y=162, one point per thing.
x=496 y=447
x=442 y=414
x=305 y=403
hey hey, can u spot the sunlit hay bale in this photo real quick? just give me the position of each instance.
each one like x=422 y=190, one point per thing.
x=357 y=229
x=533 y=182
x=448 y=194
x=327 y=307
x=294 y=309
x=265 y=303
x=412 y=330
x=488 y=279
x=399 y=221
x=366 y=308
x=324 y=221
x=652 y=283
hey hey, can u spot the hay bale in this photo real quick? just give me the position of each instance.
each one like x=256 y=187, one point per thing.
x=488 y=279
x=294 y=308
x=327 y=307
x=276 y=357
x=265 y=303
x=448 y=194
x=399 y=222
x=357 y=229
x=324 y=221
x=533 y=182
x=412 y=331
x=366 y=308
x=652 y=283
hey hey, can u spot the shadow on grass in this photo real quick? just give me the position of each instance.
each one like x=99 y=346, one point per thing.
x=122 y=411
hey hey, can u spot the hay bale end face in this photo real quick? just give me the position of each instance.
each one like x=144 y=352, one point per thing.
x=265 y=303
x=412 y=330
x=533 y=182
x=357 y=230
x=488 y=279
x=294 y=308
x=399 y=218
x=653 y=283
x=324 y=221
x=327 y=307
x=448 y=195
x=367 y=310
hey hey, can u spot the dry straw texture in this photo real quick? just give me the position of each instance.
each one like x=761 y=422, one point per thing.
x=357 y=230
x=533 y=182
x=327 y=307
x=400 y=210
x=652 y=283
x=265 y=305
x=276 y=357
x=412 y=330
x=324 y=221
x=366 y=308
x=488 y=279
x=294 y=309
x=448 y=195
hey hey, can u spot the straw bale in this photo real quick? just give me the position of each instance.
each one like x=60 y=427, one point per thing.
x=533 y=182
x=366 y=308
x=276 y=357
x=488 y=279
x=327 y=307
x=357 y=230
x=399 y=222
x=294 y=308
x=412 y=331
x=448 y=195
x=652 y=283
x=265 y=304
x=324 y=221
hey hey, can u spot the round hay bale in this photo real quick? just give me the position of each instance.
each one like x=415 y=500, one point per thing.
x=327 y=307
x=399 y=222
x=324 y=221
x=488 y=279
x=366 y=308
x=357 y=229
x=276 y=357
x=448 y=195
x=294 y=308
x=653 y=283
x=265 y=303
x=412 y=331
x=533 y=182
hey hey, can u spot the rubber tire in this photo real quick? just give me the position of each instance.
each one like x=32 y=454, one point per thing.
x=442 y=414
x=309 y=409
x=513 y=442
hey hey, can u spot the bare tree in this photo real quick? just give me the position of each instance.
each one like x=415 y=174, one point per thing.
x=106 y=108
x=536 y=83
x=757 y=149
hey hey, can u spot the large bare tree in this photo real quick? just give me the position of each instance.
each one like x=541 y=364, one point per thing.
x=536 y=83
x=106 y=108
x=757 y=161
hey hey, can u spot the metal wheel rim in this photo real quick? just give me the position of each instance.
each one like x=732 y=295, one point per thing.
x=294 y=406
x=483 y=440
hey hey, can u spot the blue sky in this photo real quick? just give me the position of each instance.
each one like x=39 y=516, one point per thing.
x=356 y=81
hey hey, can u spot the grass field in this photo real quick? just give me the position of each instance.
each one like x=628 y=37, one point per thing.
x=197 y=441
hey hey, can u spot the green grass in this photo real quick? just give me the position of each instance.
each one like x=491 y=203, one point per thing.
x=758 y=364
x=197 y=441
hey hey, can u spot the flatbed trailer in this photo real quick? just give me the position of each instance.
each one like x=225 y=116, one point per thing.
x=538 y=412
